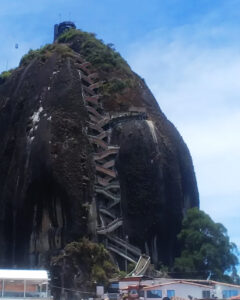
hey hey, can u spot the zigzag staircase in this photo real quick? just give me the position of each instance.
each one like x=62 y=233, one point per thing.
x=107 y=186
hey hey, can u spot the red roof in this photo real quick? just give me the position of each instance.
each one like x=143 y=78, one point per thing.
x=131 y=279
x=211 y=282
x=135 y=286
x=177 y=282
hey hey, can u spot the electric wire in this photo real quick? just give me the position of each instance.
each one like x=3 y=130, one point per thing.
x=71 y=290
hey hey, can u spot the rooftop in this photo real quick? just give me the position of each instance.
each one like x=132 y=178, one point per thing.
x=177 y=282
x=24 y=274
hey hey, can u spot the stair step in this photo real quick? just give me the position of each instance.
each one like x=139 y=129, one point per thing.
x=111 y=173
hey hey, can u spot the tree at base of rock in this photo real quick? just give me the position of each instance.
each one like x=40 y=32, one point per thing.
x=206 y=250
x=80 y=267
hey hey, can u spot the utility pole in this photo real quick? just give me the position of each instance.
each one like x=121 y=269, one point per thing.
x=126 y=263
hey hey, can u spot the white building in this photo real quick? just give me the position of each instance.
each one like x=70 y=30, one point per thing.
x=178 y=289
x=22 y=284
x=224 y=290
x=158 y=288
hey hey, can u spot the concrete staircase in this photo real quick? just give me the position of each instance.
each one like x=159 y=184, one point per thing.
x=141 y=266
x=107 y=186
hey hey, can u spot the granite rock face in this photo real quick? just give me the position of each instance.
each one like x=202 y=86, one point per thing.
x=47 y=169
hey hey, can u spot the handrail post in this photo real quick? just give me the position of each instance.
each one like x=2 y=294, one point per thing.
x=3 y=287
x=24 y=290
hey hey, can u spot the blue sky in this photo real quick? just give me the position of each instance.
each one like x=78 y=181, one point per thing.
x=188 y=51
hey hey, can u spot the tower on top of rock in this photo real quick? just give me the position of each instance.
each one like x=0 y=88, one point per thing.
x=61 y=27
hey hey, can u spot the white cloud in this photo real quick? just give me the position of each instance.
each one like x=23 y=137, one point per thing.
x=194 y=74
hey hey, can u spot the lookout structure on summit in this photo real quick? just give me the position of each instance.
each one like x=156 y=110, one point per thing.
x=61 y=27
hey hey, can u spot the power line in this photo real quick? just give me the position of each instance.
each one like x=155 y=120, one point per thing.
x=198 y=272
x=67 y=289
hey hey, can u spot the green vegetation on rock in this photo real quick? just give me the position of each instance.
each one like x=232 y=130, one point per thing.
x=115 y=85
x=114 y=70
x=94 y=50
x=205 y=248
x=45 y=52
x=5 y=75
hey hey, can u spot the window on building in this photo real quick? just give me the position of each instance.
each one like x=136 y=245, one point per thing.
x=114 y=287
x=154 y=294
x=229 y=293
x=13 y=288
x=133 y=292
x=141 y=293
x=170 y=293
x=35 y=289
x=206 y=295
